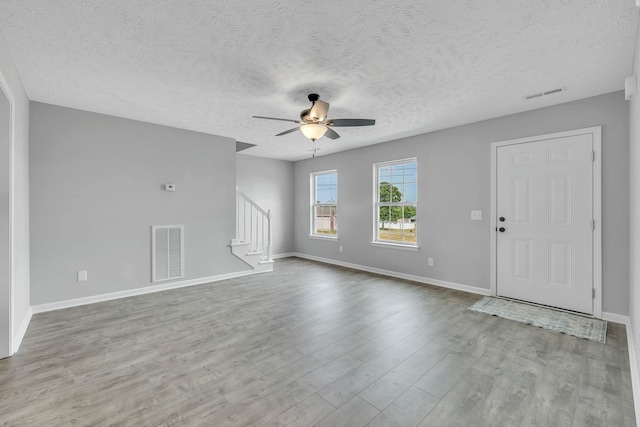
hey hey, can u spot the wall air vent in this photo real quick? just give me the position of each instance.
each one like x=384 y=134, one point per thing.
x=167 y=252
x=541 y=94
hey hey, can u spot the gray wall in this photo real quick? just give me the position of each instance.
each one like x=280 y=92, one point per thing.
x=269 y=183
x=454 y=178
x=21 y=289
x=96 y=188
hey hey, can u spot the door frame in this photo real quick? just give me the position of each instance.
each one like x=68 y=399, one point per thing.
x=596 y=133
x=6 y=90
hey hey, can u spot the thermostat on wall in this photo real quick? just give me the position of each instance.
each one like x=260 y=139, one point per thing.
x=169 y=187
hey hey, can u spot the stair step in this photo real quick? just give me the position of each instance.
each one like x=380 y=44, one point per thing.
x=256 y=259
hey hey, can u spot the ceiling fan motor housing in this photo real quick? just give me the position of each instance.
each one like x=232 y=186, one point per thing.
x=304 y=115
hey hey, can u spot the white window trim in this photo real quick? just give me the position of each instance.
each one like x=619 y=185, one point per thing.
x=376 y=208
x=312 y=199
x=402 y=246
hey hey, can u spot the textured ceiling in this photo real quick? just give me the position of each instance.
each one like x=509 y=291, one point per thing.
x=414 y=66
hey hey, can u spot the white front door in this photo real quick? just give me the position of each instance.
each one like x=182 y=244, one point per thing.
x=544 y=210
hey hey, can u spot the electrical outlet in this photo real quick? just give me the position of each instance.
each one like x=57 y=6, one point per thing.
x=340 y=248
x=476 y=215
x=82 y=276
x=430 y=262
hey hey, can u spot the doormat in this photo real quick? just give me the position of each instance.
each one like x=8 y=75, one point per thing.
x=546 y=318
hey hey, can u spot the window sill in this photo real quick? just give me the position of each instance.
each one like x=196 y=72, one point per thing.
x=329 y=238
x=402 y=247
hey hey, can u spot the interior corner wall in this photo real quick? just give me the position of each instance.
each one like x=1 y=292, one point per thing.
x=454 y=178
x=269 y=183
x=21 y=279
x=97 y=188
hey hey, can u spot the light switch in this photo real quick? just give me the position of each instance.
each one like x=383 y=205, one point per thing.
x=476 y=215
x=82 y=275
x=169 y=187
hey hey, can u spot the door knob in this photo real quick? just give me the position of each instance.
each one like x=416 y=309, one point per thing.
x=501 y=229
x=501 y=219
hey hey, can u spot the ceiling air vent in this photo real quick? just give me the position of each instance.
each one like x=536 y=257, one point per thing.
x=541 y=94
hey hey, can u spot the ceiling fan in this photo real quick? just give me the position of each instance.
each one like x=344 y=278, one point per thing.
x=314 y=123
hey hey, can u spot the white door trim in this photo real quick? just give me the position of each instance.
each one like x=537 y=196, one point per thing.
x=4 y=87
x=596 y=132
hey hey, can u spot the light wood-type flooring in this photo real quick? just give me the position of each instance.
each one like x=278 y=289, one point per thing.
x=309 y=344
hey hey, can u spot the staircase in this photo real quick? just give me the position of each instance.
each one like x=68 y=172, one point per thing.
x=253 y=234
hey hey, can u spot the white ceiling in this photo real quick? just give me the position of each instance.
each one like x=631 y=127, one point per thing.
x=415 y=66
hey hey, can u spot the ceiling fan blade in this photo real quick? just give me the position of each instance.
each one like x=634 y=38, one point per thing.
x=351 y=122
x=275 y=118
x=331 y=134
x=319 y=110
x=287 y=131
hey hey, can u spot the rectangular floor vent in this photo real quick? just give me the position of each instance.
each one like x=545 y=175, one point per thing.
x=167 y=252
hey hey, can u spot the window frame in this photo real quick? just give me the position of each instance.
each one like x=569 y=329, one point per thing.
x=377 y=241
x=313 y=205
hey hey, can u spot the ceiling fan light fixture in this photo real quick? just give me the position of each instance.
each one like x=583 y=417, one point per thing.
x=313 y=131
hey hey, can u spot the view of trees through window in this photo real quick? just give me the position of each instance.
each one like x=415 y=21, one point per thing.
x=325 y=204
x=397 y=201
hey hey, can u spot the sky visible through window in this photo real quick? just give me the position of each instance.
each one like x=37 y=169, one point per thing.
x=402 y=176
x=326 y=188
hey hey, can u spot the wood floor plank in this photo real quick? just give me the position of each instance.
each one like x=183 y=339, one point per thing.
x=309 y=343
x=386 y=389
x=357 y=380
x=407 y=410
x=439 y=379
x=354 y=413
x=306 y=413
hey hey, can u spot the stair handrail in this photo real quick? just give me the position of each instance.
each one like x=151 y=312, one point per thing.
x=254 y=204
x=259 y=241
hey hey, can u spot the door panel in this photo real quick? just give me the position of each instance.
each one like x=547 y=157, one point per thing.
x=545 y=194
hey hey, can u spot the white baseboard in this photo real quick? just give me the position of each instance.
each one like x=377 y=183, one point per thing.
x=284 y=255
x=633 y=364
x=616 y=318
x=419 y=279
x=19 y=336
x=41 y=308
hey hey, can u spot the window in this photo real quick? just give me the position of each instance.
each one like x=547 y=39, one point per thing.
x=396 y=202
x=324 y=204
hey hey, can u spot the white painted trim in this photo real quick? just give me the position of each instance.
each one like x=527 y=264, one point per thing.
x=17 y=339
x=326 y=238
x=413 y=278
x=596 y=132
x=284 y=255
x=597 y=217
x=633 y=360
x=615 y=318
x=380 y=244
x=5 y=88
x=41 y=308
